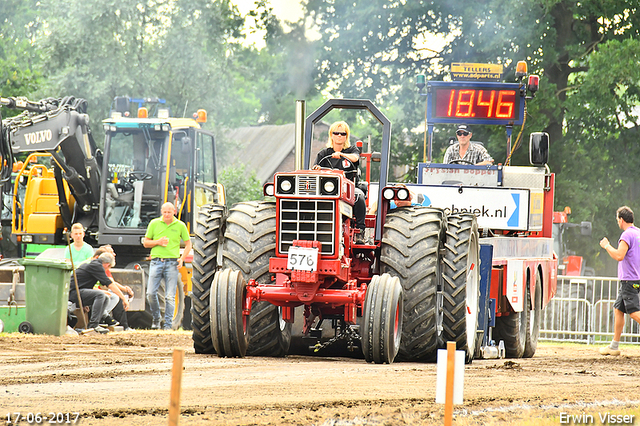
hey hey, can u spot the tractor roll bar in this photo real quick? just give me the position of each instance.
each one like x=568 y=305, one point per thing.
x=365 y=104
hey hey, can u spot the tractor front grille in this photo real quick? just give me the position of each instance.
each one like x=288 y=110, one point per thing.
x=311 y=220
x=307 y=185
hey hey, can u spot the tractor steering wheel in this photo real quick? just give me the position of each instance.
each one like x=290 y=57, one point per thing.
x=355 y=169
x=140 y=175
x=461 y=161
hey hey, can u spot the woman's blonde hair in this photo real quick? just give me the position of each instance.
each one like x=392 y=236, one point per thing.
x=333 y=128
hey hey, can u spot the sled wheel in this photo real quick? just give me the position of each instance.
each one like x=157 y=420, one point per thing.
x=512 y=329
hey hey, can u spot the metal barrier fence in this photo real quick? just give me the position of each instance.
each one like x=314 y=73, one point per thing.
x=582 y=311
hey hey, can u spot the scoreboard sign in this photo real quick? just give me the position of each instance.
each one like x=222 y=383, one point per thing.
x=475 y=102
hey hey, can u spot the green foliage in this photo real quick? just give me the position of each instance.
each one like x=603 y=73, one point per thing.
x=19 y=62
x=178 y=50
x=602 y=119
x=188 y=52
x=283 y=71
x=240 y=185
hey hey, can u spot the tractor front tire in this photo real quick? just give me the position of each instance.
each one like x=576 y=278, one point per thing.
x=205 y=249
x=382 y=319
x=249 y=243
x=411 y=241
x=461 y=283
x=229 y=326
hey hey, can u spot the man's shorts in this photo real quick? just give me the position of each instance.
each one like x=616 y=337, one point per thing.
x=628 y=300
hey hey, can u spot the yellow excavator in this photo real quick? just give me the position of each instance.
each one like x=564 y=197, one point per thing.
x=54 y=175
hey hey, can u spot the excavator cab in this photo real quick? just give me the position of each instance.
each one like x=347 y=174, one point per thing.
x=149 y=161
x=133 y=179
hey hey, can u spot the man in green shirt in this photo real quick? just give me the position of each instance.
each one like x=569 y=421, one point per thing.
x=80 y=250
x=163 y=237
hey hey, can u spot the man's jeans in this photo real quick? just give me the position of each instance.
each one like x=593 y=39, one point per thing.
x=159 y=269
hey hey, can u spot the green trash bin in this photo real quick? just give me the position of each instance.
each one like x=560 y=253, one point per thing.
x=47 y=294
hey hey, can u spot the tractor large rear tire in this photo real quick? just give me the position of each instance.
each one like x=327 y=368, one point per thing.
x=382 y=319
x=461 y=283
x=205 y=249
x=229 y=326
x=249 y=243
x=535 y=315
x=411 y=241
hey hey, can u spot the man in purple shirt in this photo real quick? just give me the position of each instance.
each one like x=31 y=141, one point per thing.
x=628 y=256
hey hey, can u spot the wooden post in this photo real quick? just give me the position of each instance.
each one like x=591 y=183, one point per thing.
x=176 y=383
x=451 y=368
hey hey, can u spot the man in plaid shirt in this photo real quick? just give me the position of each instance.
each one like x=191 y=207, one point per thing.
x=466 y=152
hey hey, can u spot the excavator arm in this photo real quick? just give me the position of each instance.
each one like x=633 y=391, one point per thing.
x=59 y=127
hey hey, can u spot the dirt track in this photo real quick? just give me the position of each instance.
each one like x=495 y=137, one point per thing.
x=125 y=378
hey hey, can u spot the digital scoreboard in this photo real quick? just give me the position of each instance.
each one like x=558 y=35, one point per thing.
x=475 y=102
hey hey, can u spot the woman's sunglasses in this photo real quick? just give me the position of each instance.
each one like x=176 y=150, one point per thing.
x=340 y=133
x=462 y=133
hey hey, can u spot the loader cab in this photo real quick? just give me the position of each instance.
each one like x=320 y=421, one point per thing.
x=150 y=161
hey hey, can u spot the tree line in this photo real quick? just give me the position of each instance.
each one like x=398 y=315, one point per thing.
x=193 y=54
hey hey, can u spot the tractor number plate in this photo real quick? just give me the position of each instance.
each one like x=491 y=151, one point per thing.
x=302 y=258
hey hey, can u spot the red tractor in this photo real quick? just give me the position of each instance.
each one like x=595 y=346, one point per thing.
x=407 y=289
x=298 y=250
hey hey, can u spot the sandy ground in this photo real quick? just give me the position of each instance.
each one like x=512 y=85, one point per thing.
x=125 y=379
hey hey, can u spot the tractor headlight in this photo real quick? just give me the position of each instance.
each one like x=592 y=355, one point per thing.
x=269 y=189
x=388 y=193
x=285 y=185
x=403 y=194
x=329 y=186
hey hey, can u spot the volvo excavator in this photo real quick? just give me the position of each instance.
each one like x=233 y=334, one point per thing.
x=53 y=175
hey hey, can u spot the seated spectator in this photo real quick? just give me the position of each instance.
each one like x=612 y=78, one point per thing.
x=466 y=151
x=87 y=275
x=115 y=313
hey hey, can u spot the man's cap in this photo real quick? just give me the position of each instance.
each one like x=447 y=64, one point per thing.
x=464 y=127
